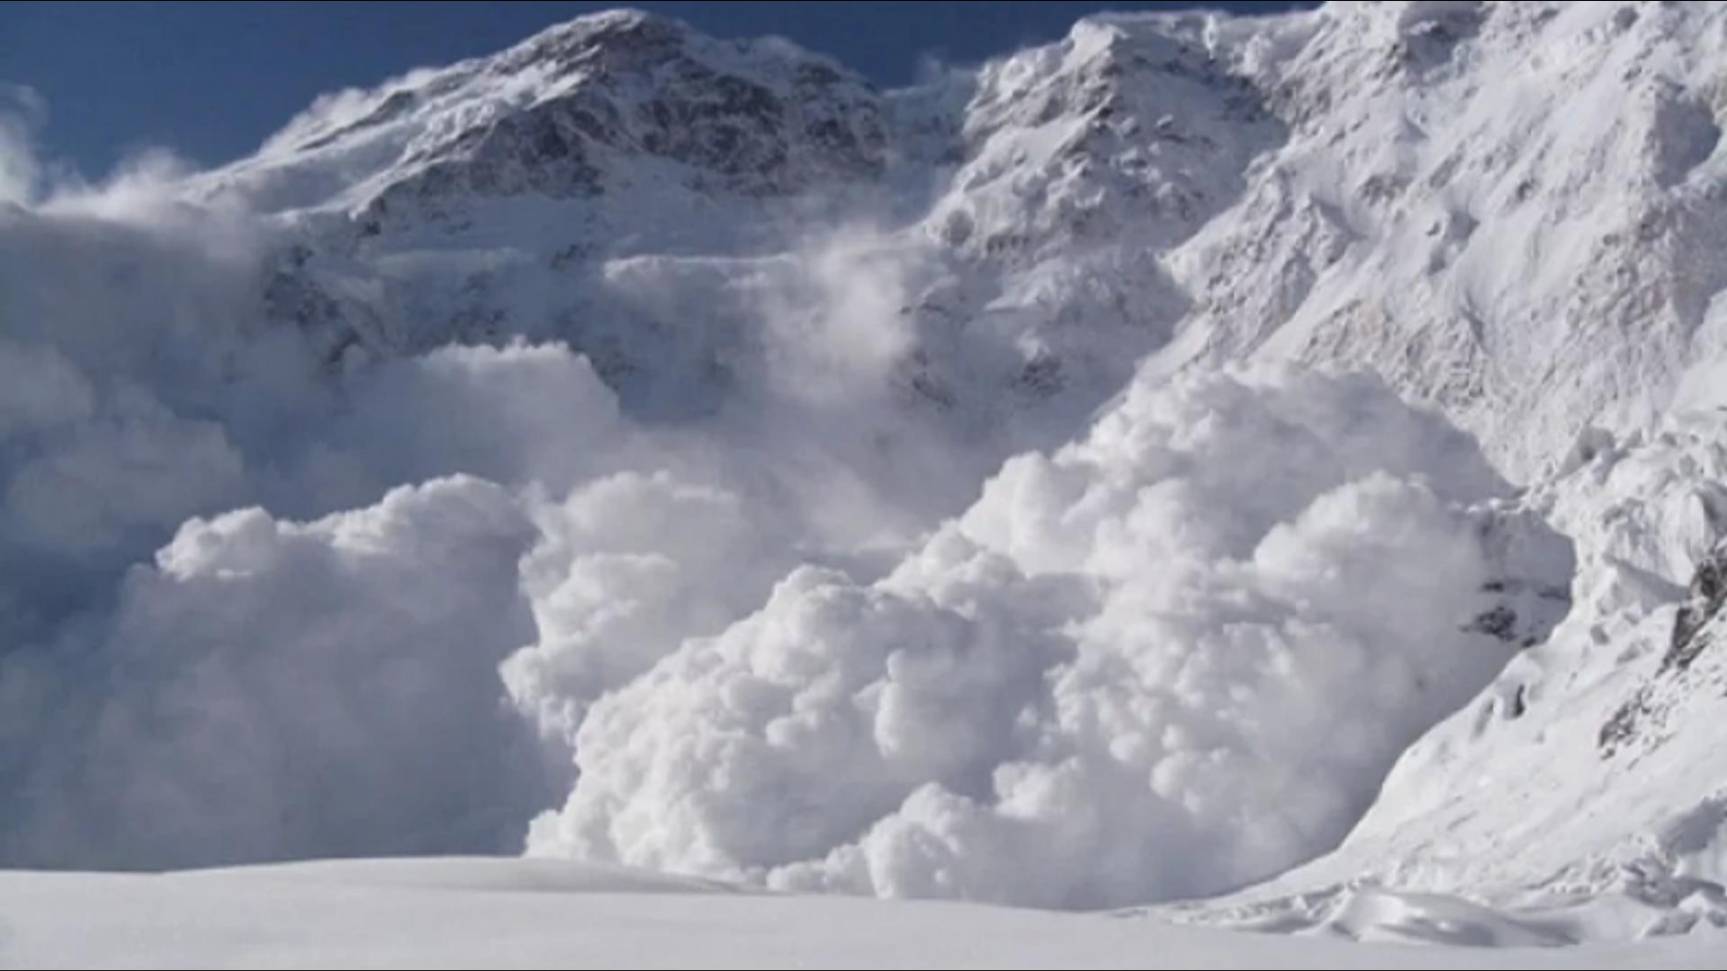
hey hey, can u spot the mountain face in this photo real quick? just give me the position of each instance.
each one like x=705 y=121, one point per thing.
x=605 y=181
x=1580 y=793
x=802 y=305
x=1420 y=190
x=1502 y=208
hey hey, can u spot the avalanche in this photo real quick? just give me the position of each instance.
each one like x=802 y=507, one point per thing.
x=1275 y=457
x=1174 y=657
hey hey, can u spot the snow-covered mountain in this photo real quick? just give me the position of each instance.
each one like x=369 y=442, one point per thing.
x=1508 y=210
x=948 y=491
x=1501 y=208
x=627 y=185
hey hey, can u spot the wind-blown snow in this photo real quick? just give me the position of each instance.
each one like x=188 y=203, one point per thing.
x=279 y=688
x=21 y=112
x=1170 y=659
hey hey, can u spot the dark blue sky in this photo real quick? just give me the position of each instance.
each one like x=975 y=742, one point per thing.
x=211 y=80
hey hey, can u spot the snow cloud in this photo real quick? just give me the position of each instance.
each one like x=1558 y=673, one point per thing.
x=1169 y=659
x=282 y=690
x=713 y=600
x=437 y=562
x=22 y=111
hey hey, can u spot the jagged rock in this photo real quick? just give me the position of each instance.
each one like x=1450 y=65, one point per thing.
x=1703 y=602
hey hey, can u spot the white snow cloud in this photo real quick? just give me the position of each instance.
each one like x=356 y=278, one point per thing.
x=141 y=389
x=258 y=600
x=1116 y=677
x=1171 y=658
x=271 y=689
x=627 y=566
x=22 y=111
x=280 y=690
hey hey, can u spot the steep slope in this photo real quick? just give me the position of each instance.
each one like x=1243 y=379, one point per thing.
x=651 y=195
x=749 y=352
x=1513 y=211
x=1175 y=656
x=550 y=191
x=1505 y=209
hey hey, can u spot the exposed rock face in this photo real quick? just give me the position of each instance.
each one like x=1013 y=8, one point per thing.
x=573 y=112
x=1648 y=708
x=624 y=86
x=1708 y=591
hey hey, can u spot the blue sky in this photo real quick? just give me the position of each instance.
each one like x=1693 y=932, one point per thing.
x=211 y=80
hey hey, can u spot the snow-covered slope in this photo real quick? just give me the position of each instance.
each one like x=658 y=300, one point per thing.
x=747 y=472
x=1505 y=209
x=1114 y=679
x=664 y=201
x=470 y=913
x=1510 y=210
x=1585 y=790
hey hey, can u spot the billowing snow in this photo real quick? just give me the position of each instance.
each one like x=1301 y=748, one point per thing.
x=1586 y=789
x=1173 y=658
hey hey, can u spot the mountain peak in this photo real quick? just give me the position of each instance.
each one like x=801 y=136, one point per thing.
x=570 y=113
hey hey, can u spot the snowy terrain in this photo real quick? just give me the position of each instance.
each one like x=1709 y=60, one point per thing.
x=1230 y=473
x=531 y=914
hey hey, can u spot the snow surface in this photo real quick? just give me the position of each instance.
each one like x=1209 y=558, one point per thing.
x=516 y=913
x=1509 y=210
x=642 y=448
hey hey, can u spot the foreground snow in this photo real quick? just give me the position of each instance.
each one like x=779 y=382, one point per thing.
x=455 y=912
